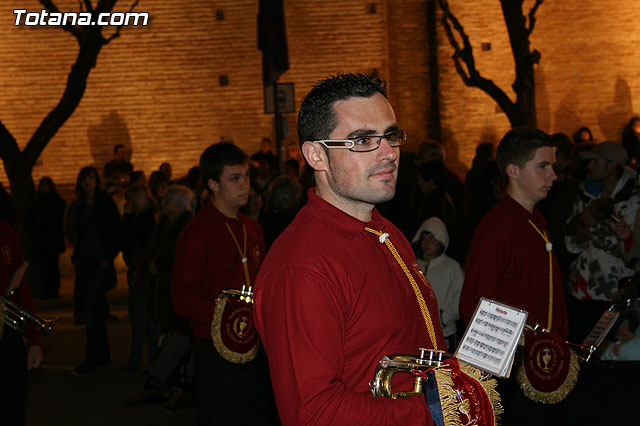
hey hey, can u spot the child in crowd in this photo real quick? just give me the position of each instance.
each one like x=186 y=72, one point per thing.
x=443 y=273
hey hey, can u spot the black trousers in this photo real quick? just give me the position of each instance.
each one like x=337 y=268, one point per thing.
x=13 y=378
x=93 y=281
x=50 y=274
x=232 y=394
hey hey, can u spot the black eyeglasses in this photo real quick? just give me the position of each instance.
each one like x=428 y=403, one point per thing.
x=367 y=143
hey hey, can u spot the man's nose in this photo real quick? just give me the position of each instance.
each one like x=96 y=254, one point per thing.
x=386 y=151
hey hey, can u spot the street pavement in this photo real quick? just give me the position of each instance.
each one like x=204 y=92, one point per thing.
x=57 y=398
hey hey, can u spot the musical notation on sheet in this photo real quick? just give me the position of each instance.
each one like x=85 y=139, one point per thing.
x=490 y=340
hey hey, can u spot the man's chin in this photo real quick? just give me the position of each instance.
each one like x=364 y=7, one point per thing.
x=385 y=194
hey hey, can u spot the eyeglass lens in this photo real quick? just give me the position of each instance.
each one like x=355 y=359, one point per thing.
x=368 y=143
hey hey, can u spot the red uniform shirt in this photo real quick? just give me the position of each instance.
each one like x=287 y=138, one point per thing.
x=207 y=261
x=10 y=259
x=508 y=261
x=331 y=300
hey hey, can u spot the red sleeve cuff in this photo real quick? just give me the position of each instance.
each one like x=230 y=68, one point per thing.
x=628 y=243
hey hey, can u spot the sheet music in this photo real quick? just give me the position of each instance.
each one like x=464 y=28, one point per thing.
x=492 y=336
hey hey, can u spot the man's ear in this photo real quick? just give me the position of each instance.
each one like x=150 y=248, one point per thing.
x=513 y=171
x=315 y=155
x=213 y=185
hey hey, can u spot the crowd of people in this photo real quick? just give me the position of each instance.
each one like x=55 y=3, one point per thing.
x=330 y=249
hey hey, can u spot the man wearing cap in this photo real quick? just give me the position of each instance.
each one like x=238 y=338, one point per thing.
x=600 y=227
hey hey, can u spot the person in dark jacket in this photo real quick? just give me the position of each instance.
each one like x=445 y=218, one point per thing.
x=92 y=225
x=49 y=230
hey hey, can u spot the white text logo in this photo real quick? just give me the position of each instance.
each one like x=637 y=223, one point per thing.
x=45 y=18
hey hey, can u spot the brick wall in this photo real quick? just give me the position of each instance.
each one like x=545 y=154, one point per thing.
x=587 y=76
x=157 y=88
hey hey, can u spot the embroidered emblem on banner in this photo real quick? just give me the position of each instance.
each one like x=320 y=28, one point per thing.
x=232 y=330
x=549 y=368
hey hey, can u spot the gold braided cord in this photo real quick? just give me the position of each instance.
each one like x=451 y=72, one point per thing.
x=546 y=241
x=243 y=252
x=423 y=306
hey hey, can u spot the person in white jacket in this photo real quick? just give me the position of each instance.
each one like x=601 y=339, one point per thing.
x=443 y=273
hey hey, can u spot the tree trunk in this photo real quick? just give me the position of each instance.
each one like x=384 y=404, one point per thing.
x=524 y=58
x=19 y=164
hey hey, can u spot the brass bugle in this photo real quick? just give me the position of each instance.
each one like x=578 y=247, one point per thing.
x=10 y=318
x=245 y=295
x=15 y=318
x=392 y=364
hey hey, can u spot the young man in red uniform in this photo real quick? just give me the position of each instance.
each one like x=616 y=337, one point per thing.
x=332 y=297
x=15 y=358
x=221 y=248
x=509 y=256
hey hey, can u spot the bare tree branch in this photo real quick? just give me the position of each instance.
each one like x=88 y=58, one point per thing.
x=18 y=164
x=8 y=144
x=116 y=34
x=464 y=61
x=51 y=7
x=532 y=16
x=104 y=6
x=91 y=41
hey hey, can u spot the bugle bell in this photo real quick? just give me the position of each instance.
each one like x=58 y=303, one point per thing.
x=455 y=392
x=412 y=364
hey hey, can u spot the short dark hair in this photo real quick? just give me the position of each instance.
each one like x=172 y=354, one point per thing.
x=117 y=147
x=519 y=146
x=317 y=118
x=214 y=158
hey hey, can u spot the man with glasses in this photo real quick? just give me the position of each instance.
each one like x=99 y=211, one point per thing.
x=340 y=288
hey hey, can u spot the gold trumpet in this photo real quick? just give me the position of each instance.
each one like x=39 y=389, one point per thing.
x=15 y=317
x=412 y=364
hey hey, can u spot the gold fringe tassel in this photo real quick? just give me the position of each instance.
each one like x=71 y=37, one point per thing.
x=448 y=400
x=489 y=384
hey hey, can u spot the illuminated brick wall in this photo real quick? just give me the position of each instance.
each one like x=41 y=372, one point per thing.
x=587 y=76
x=158 y=88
